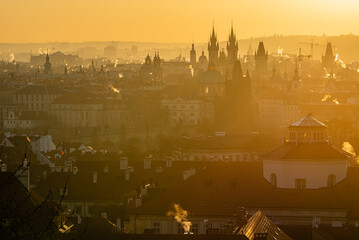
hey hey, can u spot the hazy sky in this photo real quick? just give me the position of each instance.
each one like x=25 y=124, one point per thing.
x=171 y=20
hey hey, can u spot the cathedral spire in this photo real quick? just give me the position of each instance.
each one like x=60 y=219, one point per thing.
x=213 y=47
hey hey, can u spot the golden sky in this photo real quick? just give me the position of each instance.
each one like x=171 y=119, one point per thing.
x=171 y=20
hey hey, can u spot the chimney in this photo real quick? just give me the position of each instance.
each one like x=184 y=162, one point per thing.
x=52 y=167
x=94 y=177
x=105 y=169
x=123 y=163
x=138 y=202
x=147 y=163
x=24 y=176
x=169 y=162
x=127 y=175
x=143 y=191
x=3 y=167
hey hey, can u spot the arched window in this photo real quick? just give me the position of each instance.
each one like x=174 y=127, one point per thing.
x=331 y=180
x=273 y=180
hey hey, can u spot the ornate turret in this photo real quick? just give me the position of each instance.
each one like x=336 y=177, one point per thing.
x=213 y=48
x=307 y=129
x=47 y=65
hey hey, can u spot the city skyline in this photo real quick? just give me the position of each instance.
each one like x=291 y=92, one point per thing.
x=161 y=21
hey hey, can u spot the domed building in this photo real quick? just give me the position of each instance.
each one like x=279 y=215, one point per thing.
x=211 y=83
x=307 y=160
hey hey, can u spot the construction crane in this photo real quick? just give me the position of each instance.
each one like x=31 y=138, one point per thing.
x=312 y=44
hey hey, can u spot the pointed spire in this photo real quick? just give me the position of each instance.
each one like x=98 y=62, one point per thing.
x=237 y=71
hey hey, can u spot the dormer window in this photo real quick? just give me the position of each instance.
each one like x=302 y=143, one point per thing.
x=300 y=184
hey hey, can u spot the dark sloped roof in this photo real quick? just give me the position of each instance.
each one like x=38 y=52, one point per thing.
x=40 y=89
x=217 y=191
x=307 y=151
x=259 y=223
x=112 y=185
x=308 y=121
x=220 y=190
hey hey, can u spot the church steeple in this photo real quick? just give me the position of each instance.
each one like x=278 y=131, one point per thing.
x=232 y=47
x=329 y=58
x=237 y=74
x=47 y=64
x=261 y=58
x=213 y=47
x=193 y=57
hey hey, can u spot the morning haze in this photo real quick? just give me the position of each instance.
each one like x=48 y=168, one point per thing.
x=179 y=120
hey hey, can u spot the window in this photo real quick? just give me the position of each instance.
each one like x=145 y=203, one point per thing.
x=331 y=180
x=157 y=227
x=194 y=228
x=273 y=180
x=300 y=183
x=180 y=229
x=78 y=210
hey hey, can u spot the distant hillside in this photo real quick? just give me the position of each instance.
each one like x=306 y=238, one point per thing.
x=347 y=46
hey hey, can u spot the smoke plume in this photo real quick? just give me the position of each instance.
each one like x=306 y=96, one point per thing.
x=181 y=216
x=347 y=147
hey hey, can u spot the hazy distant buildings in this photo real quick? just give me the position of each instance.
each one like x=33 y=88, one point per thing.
x=110 y=52
x=57 y=58
x=151 y=71
x=36 y=98
x=189 y=112
x=25 y=120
